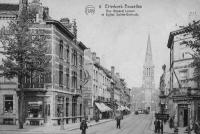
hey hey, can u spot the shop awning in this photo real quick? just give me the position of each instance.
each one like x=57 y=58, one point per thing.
x=127 y=108
x=102 y=107
x=99 y=106
x=121 y=108
x=106 y=107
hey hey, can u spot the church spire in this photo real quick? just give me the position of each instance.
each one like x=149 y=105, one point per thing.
x=148 y=57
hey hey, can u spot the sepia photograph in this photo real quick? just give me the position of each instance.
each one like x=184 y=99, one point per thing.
x=99 y=66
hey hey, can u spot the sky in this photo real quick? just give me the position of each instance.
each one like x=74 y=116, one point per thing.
x=121 y=41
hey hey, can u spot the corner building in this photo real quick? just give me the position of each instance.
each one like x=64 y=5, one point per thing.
x=58 y=94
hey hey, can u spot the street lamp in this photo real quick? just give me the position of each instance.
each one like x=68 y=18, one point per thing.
x=162 y=106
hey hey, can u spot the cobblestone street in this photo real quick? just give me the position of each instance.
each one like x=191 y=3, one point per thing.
x=135 y=124
x=132 y=124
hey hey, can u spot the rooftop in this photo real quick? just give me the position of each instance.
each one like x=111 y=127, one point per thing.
x=9 y=7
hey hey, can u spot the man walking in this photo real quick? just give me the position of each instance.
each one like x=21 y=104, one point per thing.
x=83 y=126
x=155 y=126
x=118 y=119
x=161 y=127
x=158 y=126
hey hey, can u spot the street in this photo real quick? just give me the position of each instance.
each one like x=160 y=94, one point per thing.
x=133 y=124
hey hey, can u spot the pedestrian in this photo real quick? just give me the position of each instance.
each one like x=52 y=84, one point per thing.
x=155 y=125
x=161 y=127
x=171 y=123
x=158 y=126
x=83 y=126
x=196 y=127
x=118 y=120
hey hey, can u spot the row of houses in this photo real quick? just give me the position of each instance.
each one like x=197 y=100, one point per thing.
x=180 y=96
x=77 y=84
x=105 y=87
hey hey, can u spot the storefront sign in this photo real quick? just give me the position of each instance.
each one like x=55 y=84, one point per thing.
x=35 y=103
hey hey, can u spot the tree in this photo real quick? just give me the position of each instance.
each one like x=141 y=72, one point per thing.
x=194 y=44
x=25 y=52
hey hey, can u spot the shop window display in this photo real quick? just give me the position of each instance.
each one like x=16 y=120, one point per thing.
x=8 y=104
x=35 y=109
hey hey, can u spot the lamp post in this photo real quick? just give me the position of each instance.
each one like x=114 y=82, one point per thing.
x=162 y=106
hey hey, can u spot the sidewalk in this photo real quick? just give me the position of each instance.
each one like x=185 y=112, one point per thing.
x=168 y=130
x=52 y=129
x=47 y=129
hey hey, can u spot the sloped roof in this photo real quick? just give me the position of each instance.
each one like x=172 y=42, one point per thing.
x=179 y=31
x=9 y=7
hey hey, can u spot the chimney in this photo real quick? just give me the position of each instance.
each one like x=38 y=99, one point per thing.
x=112 y=70
x=118 y=75
x=98 y=60
x=93 y=56
x=45 y=13
x=66 y=23
x=37 y=5
x=74 y=29
x=23 y=4
x=39 y=16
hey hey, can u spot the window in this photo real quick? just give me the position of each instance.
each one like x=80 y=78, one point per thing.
x=67 y=110
x=48 y=77
x=74 y=108
x=81 y=60
x=67 y=107
x=74 y=79
x=60 y=75
x=48 y=110
x=74 y=57
x=80 y=109
x=183 y=74
x=60 y=105
x=61 y=50
x=81 y=88
x=8 y=103
x=183 y=55
x=81 y=75
x=67 y=77
x=67 y=53
x=35 y=109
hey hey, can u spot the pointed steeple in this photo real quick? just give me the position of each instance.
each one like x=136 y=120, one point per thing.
x=148 y=57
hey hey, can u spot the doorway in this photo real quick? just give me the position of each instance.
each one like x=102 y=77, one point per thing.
x=185 y=123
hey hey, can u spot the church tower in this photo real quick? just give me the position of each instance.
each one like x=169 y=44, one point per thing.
x=148 y=84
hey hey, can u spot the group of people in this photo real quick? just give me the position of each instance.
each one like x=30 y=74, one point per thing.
x=84 y=126
x=158 y=126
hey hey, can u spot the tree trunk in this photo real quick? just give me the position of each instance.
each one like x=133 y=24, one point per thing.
x=20 y=110
x=21 y=103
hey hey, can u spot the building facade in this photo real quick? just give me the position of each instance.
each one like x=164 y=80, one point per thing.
x=184 y=102
x=97 y=88
x=8 y=88
x=56 y=96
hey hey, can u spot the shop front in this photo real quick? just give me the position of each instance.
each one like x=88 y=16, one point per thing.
x=183 y=115
x=36 y=109
x=35 y=113
x=8 y=107
x=102 y=111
